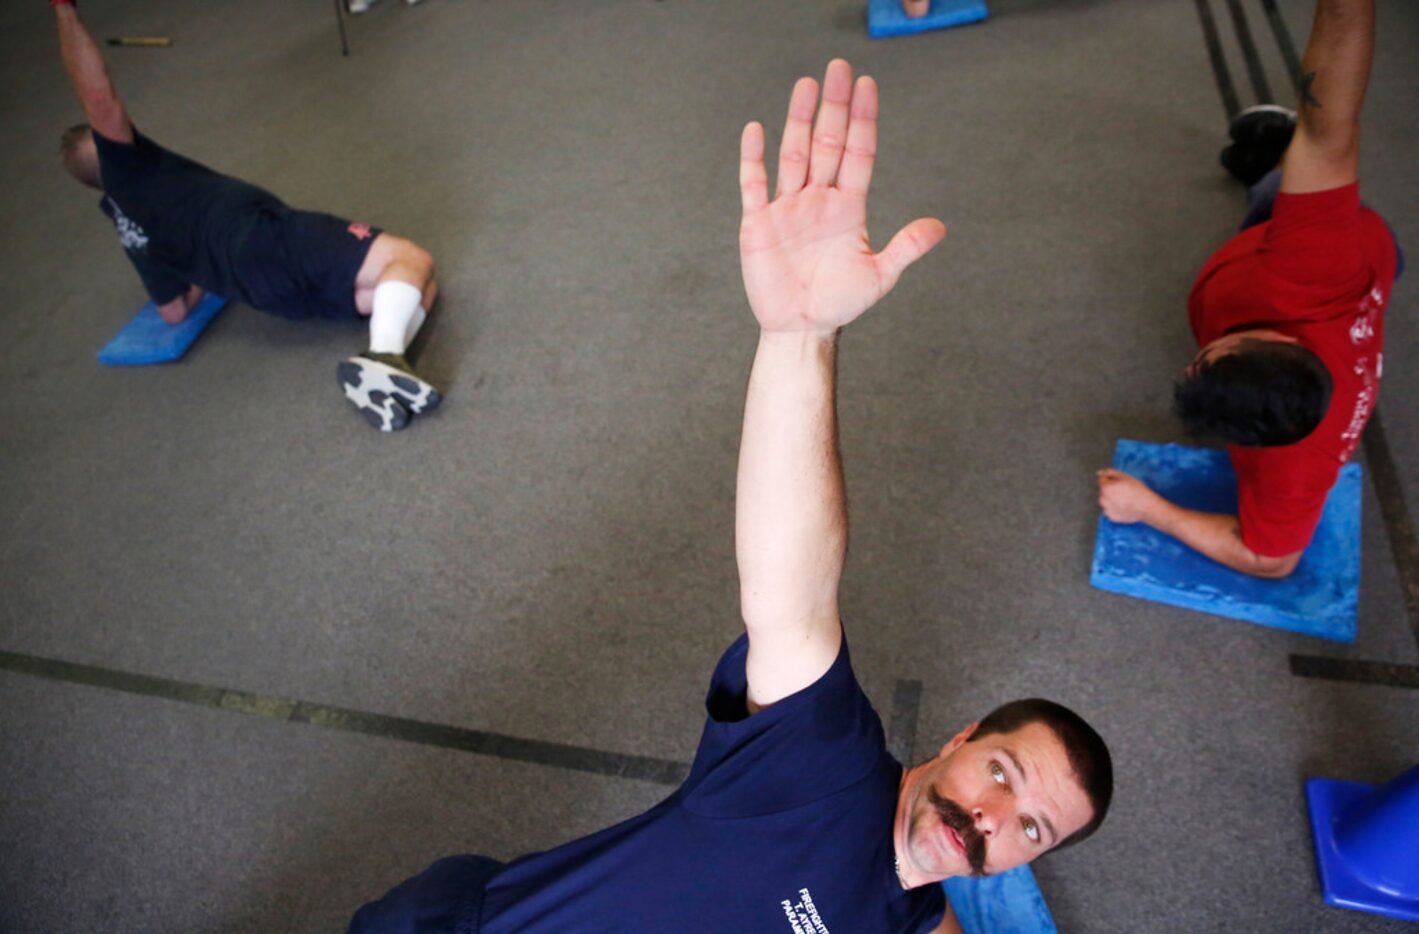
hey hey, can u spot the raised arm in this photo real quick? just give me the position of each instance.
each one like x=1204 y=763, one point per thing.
x=1325 y=152
x=808 y=270
x=89 y=76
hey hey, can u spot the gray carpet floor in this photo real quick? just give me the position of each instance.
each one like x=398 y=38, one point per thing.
x=550 y=556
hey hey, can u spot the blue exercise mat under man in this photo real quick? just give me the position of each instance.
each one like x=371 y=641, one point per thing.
x=1007 y=903
x=147 y=338
x=1319 y=598
x=886 y=18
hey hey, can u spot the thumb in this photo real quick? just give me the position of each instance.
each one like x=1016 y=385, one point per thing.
x=910 y=244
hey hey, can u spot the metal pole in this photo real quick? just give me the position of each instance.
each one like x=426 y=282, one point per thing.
x=340 y=21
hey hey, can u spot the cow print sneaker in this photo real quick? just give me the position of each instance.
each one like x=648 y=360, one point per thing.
x=385 y=389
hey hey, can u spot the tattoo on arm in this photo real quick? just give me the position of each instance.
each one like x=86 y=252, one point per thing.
x=1307 y=98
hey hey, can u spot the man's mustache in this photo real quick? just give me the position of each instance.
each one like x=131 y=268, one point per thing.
x=955 y=817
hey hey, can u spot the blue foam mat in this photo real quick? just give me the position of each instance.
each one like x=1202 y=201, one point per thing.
x=886 y=18
x=1008 y=903
x=1319 y=599
x=147 y=338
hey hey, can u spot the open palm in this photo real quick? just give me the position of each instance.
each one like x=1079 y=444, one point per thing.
x=807 y=261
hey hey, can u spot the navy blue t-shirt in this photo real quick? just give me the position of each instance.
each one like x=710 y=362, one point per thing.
x=784 y=826
x=179 y=222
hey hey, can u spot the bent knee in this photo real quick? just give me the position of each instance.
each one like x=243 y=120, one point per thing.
x=408 y=253
x=392 y=257
x=421 y=257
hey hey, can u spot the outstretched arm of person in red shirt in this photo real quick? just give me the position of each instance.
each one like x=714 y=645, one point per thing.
x=1325 y=152
x=89 y=75
x=808 y=271
x=1126 y=499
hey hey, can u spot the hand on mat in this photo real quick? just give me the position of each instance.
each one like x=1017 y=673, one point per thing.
x=1124 y=498
x=176 y=311
x=807 y=261
x=916 y=8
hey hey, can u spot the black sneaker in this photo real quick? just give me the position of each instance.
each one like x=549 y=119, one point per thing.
x=385 y=388
x=1260 y=136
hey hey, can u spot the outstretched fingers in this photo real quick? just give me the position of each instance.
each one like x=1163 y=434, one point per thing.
x=910 y=244
x=797 y=130
x=753 y=178
x=856 y=172
x=830 y=132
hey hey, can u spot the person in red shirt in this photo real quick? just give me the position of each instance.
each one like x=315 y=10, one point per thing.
x=1288 y=316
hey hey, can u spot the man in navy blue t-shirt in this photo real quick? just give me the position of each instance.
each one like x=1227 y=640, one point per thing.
x=188 y=230
x=794 y=818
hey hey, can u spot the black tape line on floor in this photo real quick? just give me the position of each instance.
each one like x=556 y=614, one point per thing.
x=1387 y=674
x=1283 y=42
x=1403 y=543
x=906 y=708
x=1219 y=61
x=643 y=768
x=1249 y=52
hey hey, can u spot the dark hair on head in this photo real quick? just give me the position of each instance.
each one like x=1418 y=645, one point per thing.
x=72 y=137
x=1263 y=394
x=1088 y=755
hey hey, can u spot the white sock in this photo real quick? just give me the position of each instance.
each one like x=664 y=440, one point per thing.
x=396 y=316
x=415 y=322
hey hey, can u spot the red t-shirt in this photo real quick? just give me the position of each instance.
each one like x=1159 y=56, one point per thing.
x=1320 y=271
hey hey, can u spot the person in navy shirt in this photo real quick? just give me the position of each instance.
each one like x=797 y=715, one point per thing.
x=794 y=818
x=189 y=230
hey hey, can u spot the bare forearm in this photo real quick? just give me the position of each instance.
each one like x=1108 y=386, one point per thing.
x=791 y=521
x=1334 y=74
x=1335 y=69
x=88 y=73
x=1217 y=536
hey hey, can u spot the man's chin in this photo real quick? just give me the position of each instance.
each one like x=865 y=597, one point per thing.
x=934 y=863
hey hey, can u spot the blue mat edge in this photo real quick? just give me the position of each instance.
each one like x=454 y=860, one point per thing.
x=185 y=334
x=1028 y=913
x=880 y=26
x=1350 y=477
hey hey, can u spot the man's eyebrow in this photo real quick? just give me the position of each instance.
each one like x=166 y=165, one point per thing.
x=1020 y=770
x=1015 y=762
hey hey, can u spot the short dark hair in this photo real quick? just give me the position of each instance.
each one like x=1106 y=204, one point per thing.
x=72 y=137
x=1263 y=394
x=1088 y=755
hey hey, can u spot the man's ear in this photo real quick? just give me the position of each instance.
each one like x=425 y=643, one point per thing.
x=960 y=738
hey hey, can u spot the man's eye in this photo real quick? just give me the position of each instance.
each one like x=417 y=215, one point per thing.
x=1032 y=830
x=997 y=773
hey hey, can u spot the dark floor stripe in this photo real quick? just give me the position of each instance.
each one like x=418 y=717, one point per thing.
x=1249 y=52
x=662 y=771
x=1283 y=41
x=906 y=708
x=1403 y=543
x=1356 y=672
x=1219 y=61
